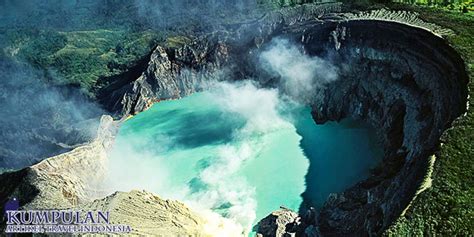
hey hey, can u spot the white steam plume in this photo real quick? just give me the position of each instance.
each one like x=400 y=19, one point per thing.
x=300 y=75
x=225 y=190
x=258 y=106
x=223 y=196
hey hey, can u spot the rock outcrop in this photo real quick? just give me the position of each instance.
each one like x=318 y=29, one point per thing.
x=402 y=17
x=285 y=223
x=62 y=181
x=147 y=214
x=277 y=224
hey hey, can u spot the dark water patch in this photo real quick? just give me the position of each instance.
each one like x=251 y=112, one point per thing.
x=340 y=153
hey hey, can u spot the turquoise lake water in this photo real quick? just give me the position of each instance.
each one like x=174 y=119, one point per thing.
x=239 y=162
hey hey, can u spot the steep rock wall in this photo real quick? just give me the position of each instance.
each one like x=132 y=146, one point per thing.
x=410 y=86
x=404 y=80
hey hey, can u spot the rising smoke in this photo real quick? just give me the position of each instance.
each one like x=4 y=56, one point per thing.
x=260 y=110
x=39 y=120
x=301 y=75
x=219 y=184
x=137 y=164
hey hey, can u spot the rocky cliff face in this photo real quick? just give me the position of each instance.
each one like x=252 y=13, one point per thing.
x=410 y=86
x=173 y=72
x=398 y=75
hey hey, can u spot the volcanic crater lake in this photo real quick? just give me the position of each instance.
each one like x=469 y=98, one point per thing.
x=240 y=164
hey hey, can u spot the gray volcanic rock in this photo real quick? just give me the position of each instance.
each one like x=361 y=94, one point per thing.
x=285 y=222
x=171 y=73
x=396 y=73
x=403 y=17
x=148 y=214
x=276 y=224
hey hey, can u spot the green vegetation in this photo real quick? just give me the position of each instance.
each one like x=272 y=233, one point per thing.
x=83 y=54
x=80 y=57
x=461 y=5
x=177 y=41
x=447 y=208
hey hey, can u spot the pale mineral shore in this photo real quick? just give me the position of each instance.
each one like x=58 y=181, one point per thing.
x=73 y=180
